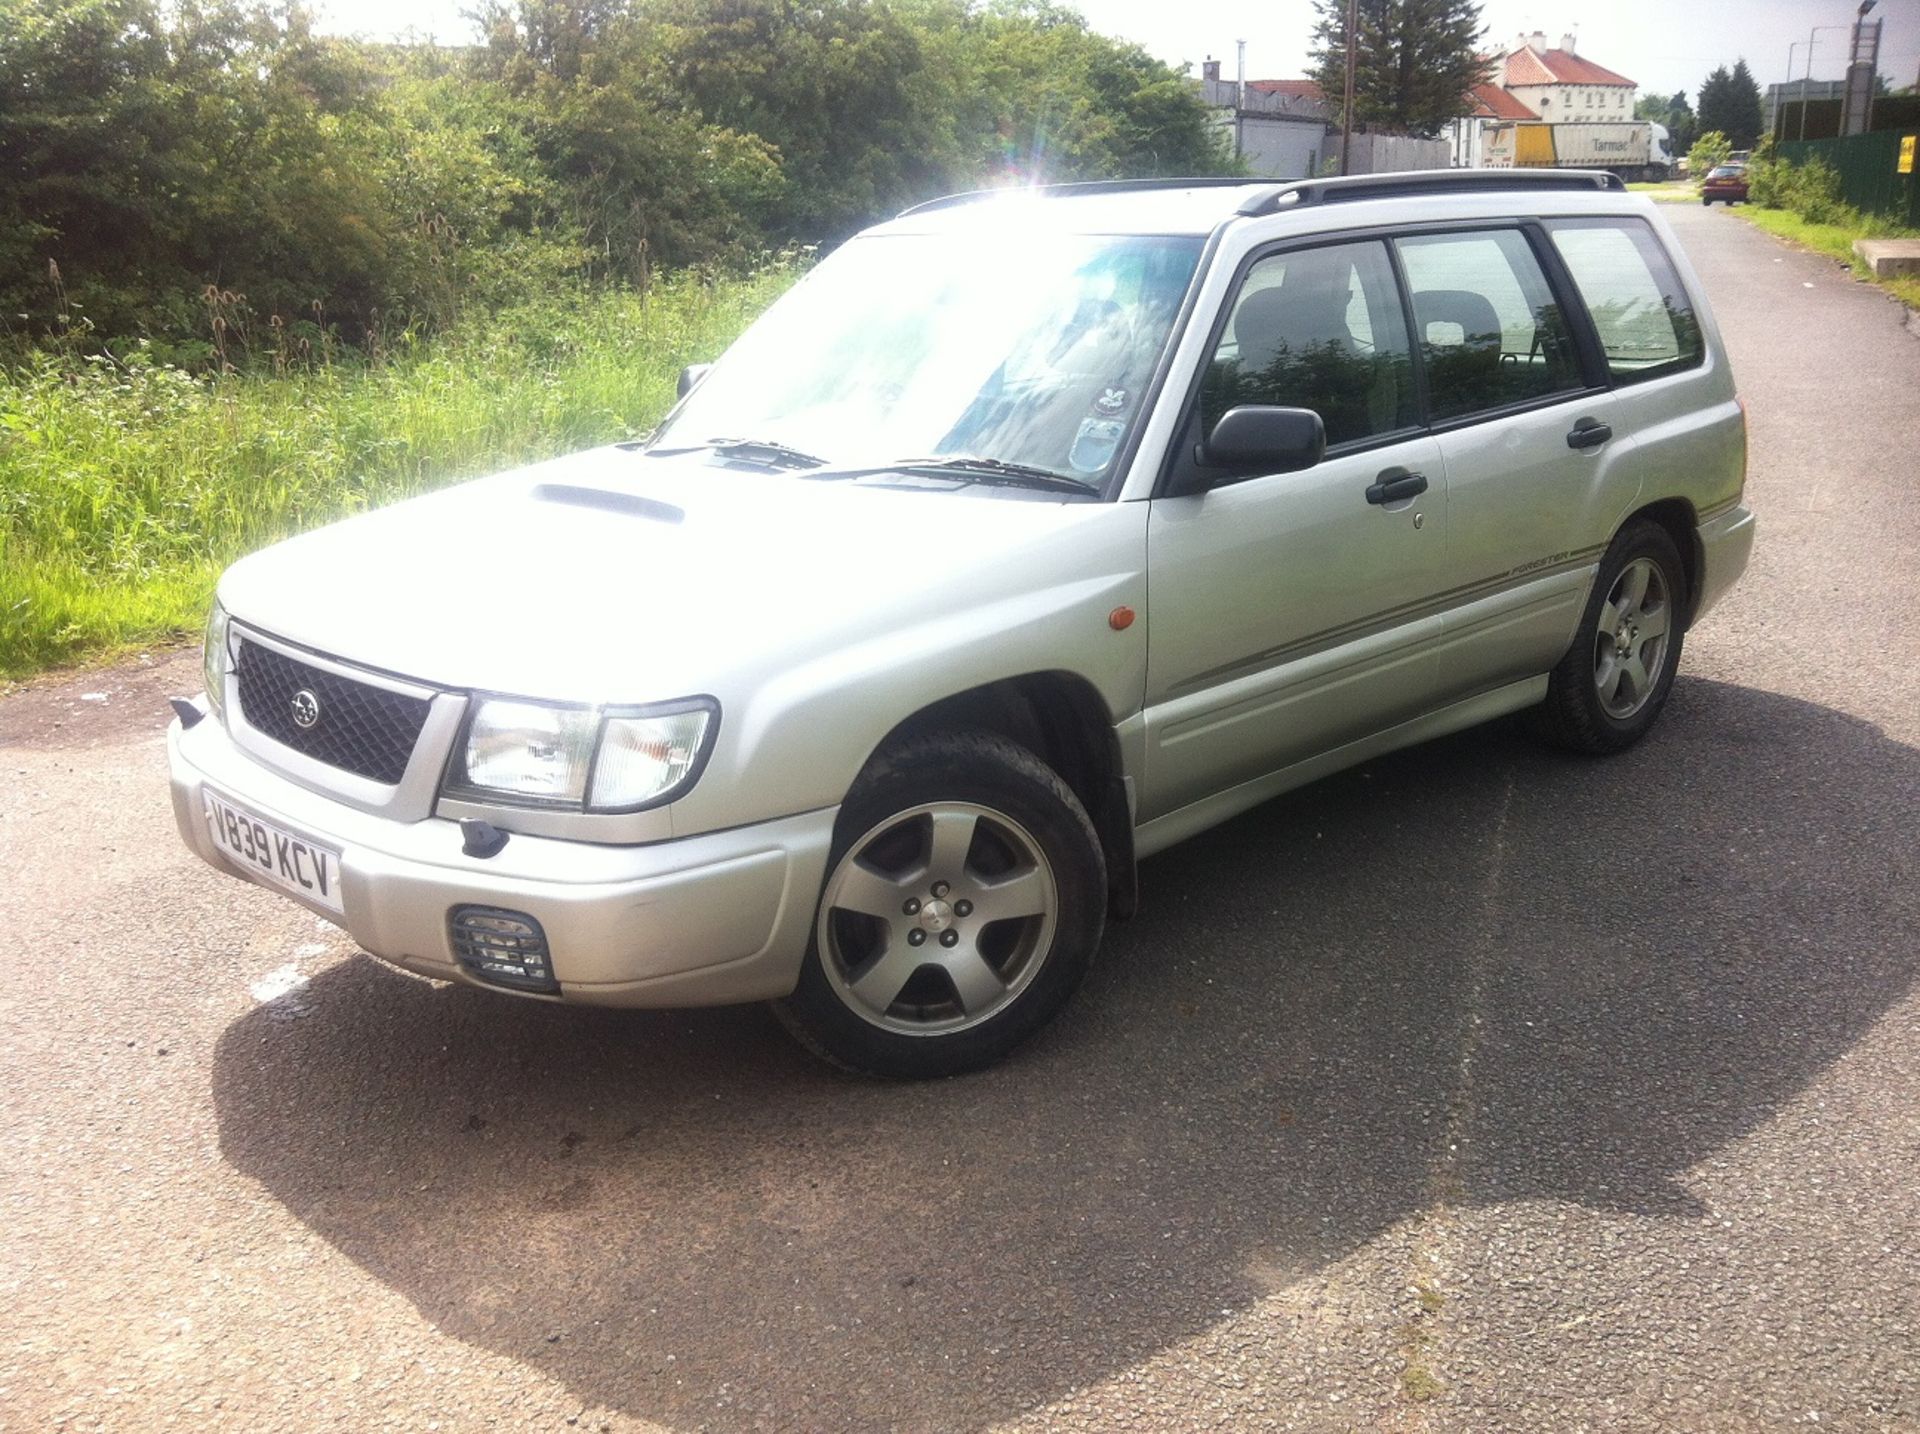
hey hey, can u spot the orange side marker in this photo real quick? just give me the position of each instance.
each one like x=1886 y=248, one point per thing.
x=1120 y=619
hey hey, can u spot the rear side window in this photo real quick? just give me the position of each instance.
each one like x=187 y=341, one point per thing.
x=1645 y=320
x=1320 y=329
x=1489 y=331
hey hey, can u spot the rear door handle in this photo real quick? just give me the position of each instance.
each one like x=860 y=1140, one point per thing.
x=1396 y=484
x=1589 y=433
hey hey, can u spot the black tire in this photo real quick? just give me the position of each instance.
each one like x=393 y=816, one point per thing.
x=983 y=771
x=1708 y=203
x=1574 y=715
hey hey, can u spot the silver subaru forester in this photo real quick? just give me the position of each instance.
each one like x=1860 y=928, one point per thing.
x=1030 y=533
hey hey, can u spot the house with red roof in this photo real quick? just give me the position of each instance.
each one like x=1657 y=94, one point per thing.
x=1561 y=86
x=1488 y=101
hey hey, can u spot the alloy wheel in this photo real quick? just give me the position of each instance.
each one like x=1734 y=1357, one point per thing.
x=1631 y=638
x=938 y=918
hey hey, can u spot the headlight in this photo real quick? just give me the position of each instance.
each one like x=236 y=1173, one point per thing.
x=213 y=661
x=582 y=757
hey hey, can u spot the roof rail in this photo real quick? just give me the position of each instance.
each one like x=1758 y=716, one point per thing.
x=1425 y=181
x=1067 y=191
x=1270 y=196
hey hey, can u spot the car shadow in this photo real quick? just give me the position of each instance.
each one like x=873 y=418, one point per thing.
x=1473 y=972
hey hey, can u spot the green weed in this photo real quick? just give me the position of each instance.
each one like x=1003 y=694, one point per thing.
x=1836 y=241
x=127 y=483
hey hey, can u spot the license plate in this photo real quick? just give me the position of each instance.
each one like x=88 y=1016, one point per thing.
x=277 y=856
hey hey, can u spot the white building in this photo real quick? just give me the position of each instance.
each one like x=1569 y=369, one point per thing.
x=1558 y=85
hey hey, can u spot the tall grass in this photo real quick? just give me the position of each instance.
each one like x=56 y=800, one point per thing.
x=127 y=484
x=1802 y=204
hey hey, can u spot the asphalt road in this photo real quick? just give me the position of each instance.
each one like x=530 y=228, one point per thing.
x=1482 y=1088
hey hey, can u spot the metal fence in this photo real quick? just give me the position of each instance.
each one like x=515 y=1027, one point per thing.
x=1869 y=169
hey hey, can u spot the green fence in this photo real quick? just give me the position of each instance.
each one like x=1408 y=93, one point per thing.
x=1868 y=165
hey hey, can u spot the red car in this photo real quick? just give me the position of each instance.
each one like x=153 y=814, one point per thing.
x=1727 y=182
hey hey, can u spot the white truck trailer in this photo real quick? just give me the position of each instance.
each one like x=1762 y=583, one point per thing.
x=1624 y=147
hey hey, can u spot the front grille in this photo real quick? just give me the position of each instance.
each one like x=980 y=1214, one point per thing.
x=357 y=727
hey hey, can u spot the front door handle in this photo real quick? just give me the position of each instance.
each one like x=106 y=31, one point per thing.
x=1396 y=484
x=1589 y=433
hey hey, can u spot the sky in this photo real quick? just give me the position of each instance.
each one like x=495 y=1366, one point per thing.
x=1662 y=45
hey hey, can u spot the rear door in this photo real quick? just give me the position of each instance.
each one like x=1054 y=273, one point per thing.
x=1675 y=419
x=1526 y=430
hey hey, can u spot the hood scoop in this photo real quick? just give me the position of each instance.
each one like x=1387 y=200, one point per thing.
x=607 y=500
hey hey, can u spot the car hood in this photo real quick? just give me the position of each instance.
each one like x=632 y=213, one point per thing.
x=612 y=577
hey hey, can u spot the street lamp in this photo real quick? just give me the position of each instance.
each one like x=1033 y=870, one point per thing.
x=1853 y=60
x=1808 y=79
x=1796 y=45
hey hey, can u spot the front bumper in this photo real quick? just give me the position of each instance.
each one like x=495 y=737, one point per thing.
x=697 y=921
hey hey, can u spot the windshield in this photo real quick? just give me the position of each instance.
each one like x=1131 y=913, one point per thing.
x=1023 y=348
x=1727 y=171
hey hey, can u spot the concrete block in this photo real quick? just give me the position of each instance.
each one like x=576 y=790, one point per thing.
x=1889 y=257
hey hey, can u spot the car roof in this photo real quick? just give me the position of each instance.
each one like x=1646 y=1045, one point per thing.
x=1199 y=206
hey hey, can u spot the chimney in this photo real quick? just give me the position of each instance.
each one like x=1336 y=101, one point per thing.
x=1566 y=42
x=1537 y=42
x=1210 y=69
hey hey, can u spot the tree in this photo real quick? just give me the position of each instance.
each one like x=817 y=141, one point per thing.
x=191 y=170
x=151 y=150
x=1416 y=60
x=1730 y=103
x=1675 y=113
x=1056 y=101
x=1713 y=106
x=1749 y=116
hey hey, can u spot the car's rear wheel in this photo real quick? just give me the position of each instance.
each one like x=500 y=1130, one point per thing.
x=1609 y=689
x=963 y=903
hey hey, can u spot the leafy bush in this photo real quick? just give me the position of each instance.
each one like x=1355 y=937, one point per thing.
x=158 y=153
x=1708 y=152
x=1766 y=176
x=1810 y=190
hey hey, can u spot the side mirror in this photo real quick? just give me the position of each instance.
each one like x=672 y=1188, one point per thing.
x=1262 y=438
x=690 y=377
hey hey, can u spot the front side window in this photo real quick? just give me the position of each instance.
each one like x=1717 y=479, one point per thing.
x=1645 y=320
x=999 y=341
x=1489 y=329
x=1321 y=329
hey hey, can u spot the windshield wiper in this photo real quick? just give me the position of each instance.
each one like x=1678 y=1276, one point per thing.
x=753 y=450
x=996 y=472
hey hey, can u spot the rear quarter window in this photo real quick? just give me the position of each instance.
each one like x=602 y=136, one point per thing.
x=1645 y=320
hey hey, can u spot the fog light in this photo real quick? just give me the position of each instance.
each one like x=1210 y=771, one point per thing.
x=502 y=948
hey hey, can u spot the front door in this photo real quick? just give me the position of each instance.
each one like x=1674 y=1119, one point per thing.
x=1293 y=612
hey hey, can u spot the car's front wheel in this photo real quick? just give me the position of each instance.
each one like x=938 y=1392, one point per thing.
x=965 y=896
